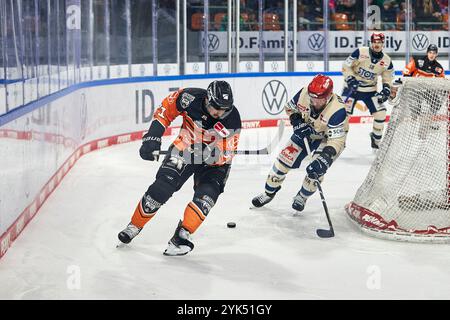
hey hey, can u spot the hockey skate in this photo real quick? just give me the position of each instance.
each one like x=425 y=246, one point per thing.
x=179 y=244
x=126 y=235
x=299 y=202
x=373 y=142
x=263 y=198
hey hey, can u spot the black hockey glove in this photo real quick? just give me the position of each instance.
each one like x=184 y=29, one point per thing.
x=301 y=129
x=320 y=165
x=151 y=142
x=384 y=94
x=352 y=83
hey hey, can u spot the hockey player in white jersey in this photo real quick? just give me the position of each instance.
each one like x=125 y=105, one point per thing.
x=361 y=71
x=319 y=115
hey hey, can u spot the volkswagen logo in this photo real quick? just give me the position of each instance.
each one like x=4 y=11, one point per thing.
x=213 y=42
x=274 y=97
x=166 y=69
x=420 y=41
x=316 y=41
x=248 y=66
x=274 y=66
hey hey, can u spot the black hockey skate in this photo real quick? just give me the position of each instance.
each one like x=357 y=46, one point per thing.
x=299 y=202
x=126 y=235
x=179 y=244
x=373 y=142
x=263 y=198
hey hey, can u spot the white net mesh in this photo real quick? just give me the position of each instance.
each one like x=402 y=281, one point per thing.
x=406 y=194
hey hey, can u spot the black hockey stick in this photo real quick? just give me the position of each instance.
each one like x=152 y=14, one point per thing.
x=322 y=233
x=267 y=150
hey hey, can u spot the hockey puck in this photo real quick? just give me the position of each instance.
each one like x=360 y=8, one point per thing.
x=231 y=225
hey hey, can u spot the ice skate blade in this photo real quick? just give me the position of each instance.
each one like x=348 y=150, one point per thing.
x=120 y=244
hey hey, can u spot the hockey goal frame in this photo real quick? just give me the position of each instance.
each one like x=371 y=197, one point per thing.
x=374 y=224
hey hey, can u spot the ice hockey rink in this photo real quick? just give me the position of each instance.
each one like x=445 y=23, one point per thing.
x=68 y=251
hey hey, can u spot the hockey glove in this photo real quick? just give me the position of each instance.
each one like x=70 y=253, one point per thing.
x=384 y=94
x=151 y=142
x=320 y=165
x=301 y=129
x=352 y=83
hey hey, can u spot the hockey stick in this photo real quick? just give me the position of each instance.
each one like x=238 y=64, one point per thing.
x=267 y=150
x=349 y=95
x=322 y=233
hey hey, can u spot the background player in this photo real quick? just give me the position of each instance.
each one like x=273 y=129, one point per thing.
x=319 y=115
x=361 y=71
x=426 y=66
x=204 y=148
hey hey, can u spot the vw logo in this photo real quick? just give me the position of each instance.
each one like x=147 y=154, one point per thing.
x=274 y=66
x=248 y=66
x=213 y=42
x=420 y=41
x=166 y=69
x=316 y=41
x=274 y=96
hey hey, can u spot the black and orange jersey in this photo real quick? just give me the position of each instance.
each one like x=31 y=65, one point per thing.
x=198 y=126
x=423 y=67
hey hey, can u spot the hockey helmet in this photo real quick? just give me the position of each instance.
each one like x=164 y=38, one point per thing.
x=220 y=95
x=432 y=47
x=321 y=87
x=377 y=36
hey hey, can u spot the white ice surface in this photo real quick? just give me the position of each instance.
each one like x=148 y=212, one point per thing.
x=271 y=254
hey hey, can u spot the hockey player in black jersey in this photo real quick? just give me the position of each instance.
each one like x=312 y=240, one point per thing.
x=204 y=148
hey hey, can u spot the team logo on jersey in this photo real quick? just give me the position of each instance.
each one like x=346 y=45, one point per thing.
x=289 y=154
x=274 y=97
x=221 y=130
x=186 y=100
x=316 y=41
x=302 y=108
x=420 y=41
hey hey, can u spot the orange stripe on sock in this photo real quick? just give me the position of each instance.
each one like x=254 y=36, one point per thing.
x=140 y=218
x=193 y=217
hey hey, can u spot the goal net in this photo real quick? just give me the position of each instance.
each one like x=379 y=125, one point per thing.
x=406 y=194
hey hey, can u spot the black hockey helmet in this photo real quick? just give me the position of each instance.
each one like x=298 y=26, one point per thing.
x=432 y=47
x=220 y=95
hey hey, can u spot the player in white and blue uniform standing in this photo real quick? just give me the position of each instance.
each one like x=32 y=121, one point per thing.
x=361 y=71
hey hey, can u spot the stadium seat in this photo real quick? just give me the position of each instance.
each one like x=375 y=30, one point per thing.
x=340 y=21
x=218 y=20
x=197 y=21
x=271 y=22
